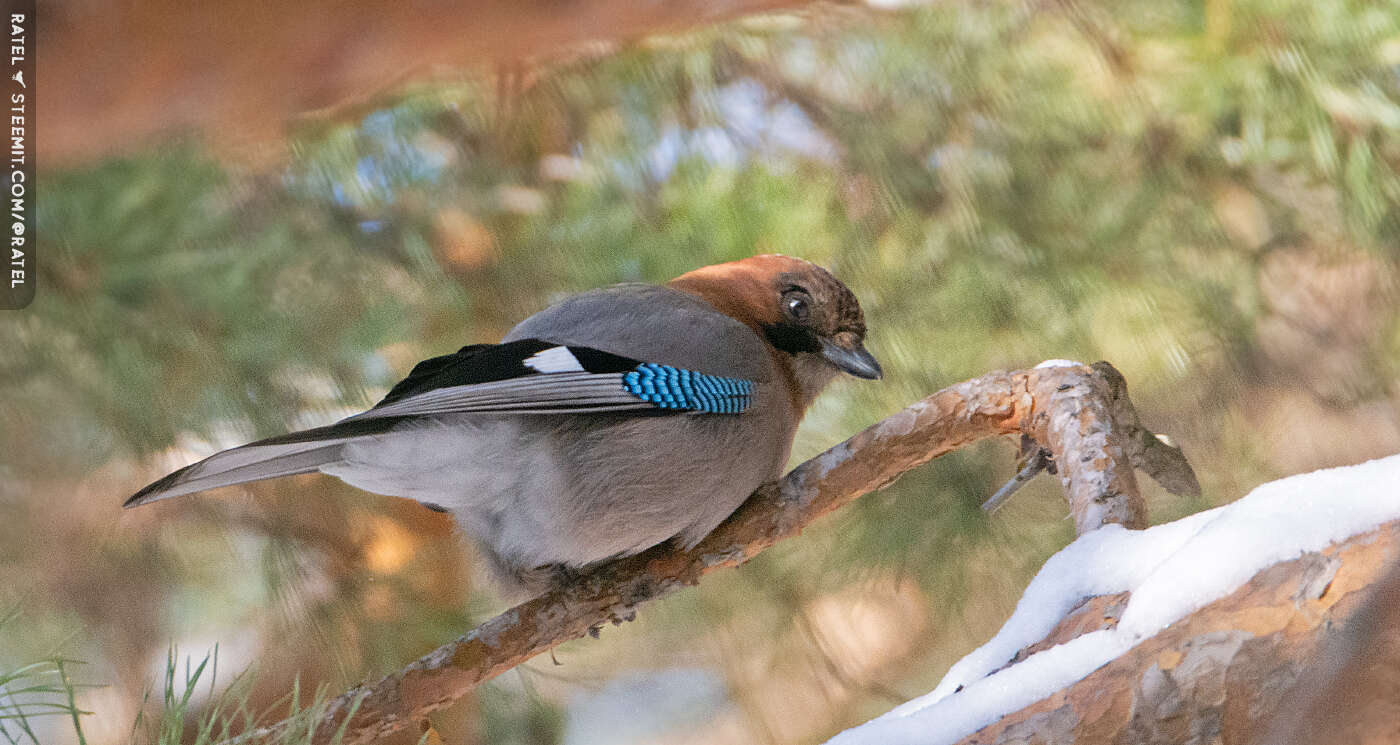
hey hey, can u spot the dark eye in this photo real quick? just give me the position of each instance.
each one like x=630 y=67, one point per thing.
x=797 y=305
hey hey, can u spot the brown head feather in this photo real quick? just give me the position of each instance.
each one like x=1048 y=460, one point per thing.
x=751 y=290
x=755 y=291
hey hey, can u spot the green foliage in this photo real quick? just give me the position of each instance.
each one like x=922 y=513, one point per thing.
x=173 y=302
x=36 y=691
x=45 y=689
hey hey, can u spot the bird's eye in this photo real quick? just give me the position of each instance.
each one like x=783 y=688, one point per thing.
x=797 y=305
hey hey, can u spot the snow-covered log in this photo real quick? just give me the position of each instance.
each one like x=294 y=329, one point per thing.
x=1274 y=619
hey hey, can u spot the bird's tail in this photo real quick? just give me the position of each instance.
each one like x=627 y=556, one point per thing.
x=285 y=455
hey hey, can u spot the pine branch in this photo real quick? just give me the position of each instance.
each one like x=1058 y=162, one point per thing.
x=1081 y=415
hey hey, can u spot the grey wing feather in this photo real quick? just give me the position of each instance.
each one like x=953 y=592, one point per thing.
x=555 y=393
x=265 y=459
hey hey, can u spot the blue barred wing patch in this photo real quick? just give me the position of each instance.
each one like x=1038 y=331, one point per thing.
x=668 y=387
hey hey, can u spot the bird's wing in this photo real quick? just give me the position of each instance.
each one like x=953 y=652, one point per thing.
x=632 y=347
x=526 y=377
x=530 y=376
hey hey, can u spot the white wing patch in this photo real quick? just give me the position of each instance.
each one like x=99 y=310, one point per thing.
x=554 y=360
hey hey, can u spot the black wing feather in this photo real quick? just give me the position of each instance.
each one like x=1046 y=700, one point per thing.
x=474 y=363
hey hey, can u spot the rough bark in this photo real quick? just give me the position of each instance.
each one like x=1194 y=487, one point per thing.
x=1306 y=652
x=1073 y=411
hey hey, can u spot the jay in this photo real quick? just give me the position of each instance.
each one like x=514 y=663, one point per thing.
x=608 y=423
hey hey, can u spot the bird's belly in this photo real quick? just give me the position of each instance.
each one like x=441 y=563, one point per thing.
x=645 y=480
x=536 y=492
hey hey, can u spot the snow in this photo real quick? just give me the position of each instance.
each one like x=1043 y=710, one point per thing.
x=1170 y=570
x=1058 y=363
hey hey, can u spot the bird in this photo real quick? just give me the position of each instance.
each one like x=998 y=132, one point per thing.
x=610 y=422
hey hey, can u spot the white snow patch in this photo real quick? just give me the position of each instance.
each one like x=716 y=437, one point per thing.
x=1170 y=570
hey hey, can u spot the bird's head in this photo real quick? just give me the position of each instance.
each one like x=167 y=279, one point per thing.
x=799 y=308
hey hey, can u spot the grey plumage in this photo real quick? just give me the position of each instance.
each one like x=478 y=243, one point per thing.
x=653 y=323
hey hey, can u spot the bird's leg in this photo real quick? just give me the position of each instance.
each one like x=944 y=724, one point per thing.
x=563 y=575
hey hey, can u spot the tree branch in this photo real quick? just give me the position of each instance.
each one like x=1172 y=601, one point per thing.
x=1080 y=414
x=312 y=60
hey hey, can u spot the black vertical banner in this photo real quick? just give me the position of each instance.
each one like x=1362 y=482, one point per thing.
x=17 y=283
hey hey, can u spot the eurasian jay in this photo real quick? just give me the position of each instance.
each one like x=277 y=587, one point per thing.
x=603 y=425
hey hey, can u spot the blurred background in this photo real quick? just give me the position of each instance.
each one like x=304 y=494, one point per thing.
x=253 y=219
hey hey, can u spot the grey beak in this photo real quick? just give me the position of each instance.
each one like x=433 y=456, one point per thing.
x=854 y=360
